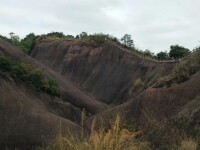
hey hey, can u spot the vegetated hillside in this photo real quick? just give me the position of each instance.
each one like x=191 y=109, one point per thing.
x=30 y=116
x=69 y=92
x=146 y=91
x=110 y=73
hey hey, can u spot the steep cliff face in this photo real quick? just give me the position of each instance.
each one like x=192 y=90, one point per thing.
x=29 y=117
x=69 y=92
x=178 y=104
x=107 y=72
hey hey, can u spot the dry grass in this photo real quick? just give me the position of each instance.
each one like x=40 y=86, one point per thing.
x=137 y=84
x=181 y=71
x=111 y=139
x=188 y=144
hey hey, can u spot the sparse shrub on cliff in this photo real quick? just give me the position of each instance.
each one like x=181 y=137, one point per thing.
x=21 y=71
x=138 y=83
x=5 y=64
x=98 y=38
x=50 y=85
x=182 y=70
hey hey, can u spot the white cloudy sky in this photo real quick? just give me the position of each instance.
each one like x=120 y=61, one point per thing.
x=153 y=24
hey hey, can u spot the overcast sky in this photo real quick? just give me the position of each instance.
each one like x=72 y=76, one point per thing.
x=153 y=24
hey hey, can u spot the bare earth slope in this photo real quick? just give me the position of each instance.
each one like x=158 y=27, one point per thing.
x=69 y=91
x=26 y=116
x=30 y=117
x=159 y=104
x=107 y=72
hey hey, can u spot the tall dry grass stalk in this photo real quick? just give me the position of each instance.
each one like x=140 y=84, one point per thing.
x=114 y=138
x=188 y=144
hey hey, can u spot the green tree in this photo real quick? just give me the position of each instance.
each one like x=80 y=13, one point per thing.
x=163 y=55
x=77 y=37
x=14 y=38
x=127 y=40
x=51 y=86
x=83 y=35
x=177 y=51
x=148 y=53
x=56 y=34
x=27 y=43
x=5 y=64
x=69 y=37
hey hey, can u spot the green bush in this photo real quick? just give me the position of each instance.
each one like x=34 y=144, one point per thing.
x=21 y=71
x=36 y=78
x=51 y=87
x=181 y=71
x=5 y=64
x=24 y=72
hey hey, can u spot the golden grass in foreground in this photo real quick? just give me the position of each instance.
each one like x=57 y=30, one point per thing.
x=188 y=144
x=112 y=139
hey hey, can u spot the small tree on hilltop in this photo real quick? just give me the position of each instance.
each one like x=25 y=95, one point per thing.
x=127 y=40
x=83 y=35
x=163 y=55
x=14 y=38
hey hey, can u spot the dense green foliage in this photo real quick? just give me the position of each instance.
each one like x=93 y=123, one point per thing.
x=163 y=55
x=177 y=51
x=5 y=64
x=58 y=34
x=25 y=73
x=27 y=43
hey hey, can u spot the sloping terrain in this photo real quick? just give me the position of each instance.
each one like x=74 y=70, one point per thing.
x=107 y=72
x=27 y=116
x=102 y=80
x=161 y=104
x=69 y=91
x=31 y=117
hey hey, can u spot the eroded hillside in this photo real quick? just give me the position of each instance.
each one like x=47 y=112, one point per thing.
x=102 y=80
x=108 y=72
